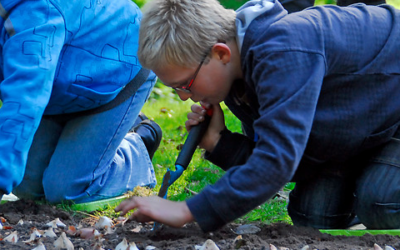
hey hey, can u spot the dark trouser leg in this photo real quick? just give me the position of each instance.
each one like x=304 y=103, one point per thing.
x=368 y=2
x=296 y=5
x=373 y=187
x=378 y=188
x=325 y=201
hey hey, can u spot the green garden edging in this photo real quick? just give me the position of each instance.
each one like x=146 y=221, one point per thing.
x=98 y=205
x=88 y=206
x=336 y=232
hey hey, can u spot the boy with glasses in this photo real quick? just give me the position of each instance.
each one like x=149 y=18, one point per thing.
x=317 y=94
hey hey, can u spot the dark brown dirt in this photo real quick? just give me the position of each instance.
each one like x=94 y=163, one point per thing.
x=280 y=235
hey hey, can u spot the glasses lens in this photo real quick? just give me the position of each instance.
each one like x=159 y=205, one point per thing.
x=182 y=89
x=186 y=89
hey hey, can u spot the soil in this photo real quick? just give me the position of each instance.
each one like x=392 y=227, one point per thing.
x=283 y=236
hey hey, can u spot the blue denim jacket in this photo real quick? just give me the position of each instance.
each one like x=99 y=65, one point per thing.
x=320 y=85
x=59 y=57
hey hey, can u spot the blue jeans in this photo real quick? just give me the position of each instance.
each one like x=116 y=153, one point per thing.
x=367 y=186
x=90 y=157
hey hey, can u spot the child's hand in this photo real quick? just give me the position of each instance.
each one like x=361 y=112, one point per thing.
x=154 y=208
x=217 y=124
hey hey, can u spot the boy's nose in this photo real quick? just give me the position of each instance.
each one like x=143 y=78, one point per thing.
x=183 y=95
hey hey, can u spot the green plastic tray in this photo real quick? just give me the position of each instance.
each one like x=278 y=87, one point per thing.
x=395 y=232
x=98 y=205
x=85 y=207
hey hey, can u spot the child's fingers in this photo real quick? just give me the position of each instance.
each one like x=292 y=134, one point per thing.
x=190 y=123
x=195 y=117
x=140 y=217
x=205 y=105
x=126 y=206
x=198 y=109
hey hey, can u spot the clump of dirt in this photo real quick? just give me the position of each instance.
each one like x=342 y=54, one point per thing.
x=282 y=235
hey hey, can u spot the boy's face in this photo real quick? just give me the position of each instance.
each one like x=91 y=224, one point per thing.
x=211 y=83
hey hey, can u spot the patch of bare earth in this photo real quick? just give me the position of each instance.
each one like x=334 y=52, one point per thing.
x=282 y=236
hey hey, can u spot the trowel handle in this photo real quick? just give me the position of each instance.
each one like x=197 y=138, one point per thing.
x=193 y=139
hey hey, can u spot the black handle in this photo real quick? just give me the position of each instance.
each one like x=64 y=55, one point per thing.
x=193 y=139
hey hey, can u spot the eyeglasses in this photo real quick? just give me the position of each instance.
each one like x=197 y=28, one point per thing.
x=186 y=88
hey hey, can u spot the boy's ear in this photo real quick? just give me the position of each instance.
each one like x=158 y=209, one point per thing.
x=221 y=51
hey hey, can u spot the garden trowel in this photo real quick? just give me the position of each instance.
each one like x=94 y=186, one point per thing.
x=184 y=157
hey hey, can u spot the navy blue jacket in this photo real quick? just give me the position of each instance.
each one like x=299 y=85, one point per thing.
x=320 y=85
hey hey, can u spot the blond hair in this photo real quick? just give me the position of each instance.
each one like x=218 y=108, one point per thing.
x=182 y=32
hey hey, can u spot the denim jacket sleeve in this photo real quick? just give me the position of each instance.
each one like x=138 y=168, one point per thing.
x=31 y=50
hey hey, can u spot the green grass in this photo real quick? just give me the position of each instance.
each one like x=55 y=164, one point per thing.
x=395 y=3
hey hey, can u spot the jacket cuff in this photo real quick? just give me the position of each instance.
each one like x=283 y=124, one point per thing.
x=204 y=213
x=231 y=150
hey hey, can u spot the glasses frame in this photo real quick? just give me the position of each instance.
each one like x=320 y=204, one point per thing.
x=186 y=89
